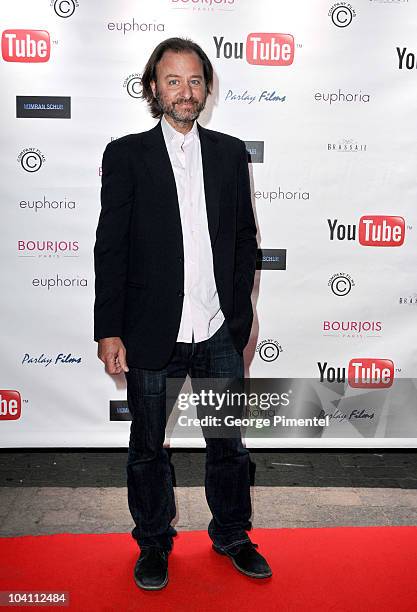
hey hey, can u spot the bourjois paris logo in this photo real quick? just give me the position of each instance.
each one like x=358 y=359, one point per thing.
x=261 y=49
x=25 y=45
x=374 y=230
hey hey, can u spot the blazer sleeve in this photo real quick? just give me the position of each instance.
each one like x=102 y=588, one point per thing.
x=111 y=249
x=246 y=244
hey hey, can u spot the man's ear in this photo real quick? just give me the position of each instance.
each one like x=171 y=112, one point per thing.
x=153 y=87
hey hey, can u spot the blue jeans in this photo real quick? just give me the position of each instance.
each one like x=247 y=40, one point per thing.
x=150 y=490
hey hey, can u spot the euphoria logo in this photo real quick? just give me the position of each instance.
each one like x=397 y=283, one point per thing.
x=269 y=350
x=363 y=373
x=260 y=49
x=374 y=231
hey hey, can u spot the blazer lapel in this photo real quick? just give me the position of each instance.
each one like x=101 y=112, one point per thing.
x=159 y=165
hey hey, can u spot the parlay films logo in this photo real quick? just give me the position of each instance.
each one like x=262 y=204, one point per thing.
x=133 y=85
x=342 y=14
x=374 y=230
x=352 y=329
x=204 y=5
x=46 y=360
x=10 y=405
x=269 y=350
x=346 y=145
x=363 y=373
x=31 y=159
x=406 y=59
x=260 y=49
x=25 y=46
x=48 y=248
x=64 y=8
x=341 y=284
x=247 y=97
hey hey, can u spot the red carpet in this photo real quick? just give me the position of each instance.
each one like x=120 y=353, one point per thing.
x=352 y=569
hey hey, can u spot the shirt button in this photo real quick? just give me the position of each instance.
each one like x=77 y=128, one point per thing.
x=181 y=293
x=180 y=259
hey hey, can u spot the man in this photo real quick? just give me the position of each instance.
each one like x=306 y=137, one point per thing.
x=175 y=260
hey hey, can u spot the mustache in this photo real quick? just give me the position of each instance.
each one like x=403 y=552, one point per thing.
x=181 y=100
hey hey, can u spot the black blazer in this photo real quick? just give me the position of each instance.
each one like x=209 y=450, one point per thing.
x=138 y=253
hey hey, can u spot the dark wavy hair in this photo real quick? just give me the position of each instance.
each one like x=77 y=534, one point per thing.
x=178 y=45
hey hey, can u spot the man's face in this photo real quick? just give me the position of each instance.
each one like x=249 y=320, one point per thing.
x=180 y=87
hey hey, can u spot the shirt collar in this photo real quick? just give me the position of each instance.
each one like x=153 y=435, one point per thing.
x=172 y=134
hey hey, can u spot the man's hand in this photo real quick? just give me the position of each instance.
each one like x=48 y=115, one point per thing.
x=112 y=352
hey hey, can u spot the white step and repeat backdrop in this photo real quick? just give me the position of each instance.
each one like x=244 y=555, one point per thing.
x=324 y=94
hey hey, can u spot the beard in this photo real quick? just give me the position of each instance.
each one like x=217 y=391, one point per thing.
x=181 y=114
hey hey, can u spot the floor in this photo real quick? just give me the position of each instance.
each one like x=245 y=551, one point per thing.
x=79 y=491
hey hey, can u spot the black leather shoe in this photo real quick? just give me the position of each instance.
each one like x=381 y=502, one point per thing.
x=151 y=569
x=247 y=560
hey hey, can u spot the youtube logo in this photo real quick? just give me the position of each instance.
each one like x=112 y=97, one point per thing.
x=264 y=49
x=365 y=373
x=10 y=405
x=25 y=46
x=379 y=230
x=260 y=49
x=374 y=230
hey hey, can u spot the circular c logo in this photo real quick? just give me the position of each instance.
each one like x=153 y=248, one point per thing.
x=64 y=8
x=342 y=16
x=341 y=285
x=31 y=161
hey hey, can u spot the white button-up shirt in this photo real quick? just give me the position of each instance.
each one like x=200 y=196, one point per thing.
x=201 y=313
